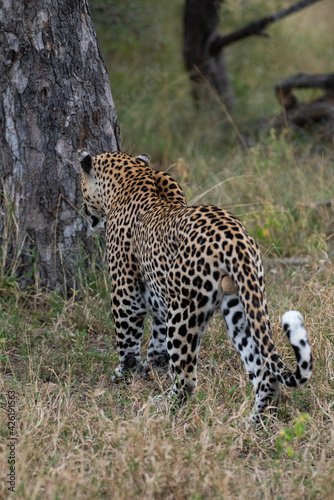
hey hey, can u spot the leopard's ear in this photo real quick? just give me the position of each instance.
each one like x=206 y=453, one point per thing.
x=144 y=157
x=85 y=160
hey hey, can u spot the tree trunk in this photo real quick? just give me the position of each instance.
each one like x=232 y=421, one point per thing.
x=55 y=100
x=208 y=72
x=203 y=46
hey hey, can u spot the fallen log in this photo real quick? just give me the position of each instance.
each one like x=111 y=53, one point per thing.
x=303 y=114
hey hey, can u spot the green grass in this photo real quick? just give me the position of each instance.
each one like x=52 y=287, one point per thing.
x=157 y=116
x=82 y=436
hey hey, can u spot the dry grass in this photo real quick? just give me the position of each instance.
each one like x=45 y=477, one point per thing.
x=81 y=436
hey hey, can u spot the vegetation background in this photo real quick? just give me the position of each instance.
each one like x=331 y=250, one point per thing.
x=83 y=437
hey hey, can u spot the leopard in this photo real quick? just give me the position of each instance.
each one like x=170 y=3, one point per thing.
x=183 y=263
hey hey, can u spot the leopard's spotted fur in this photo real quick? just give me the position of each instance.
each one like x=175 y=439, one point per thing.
x=184 y=263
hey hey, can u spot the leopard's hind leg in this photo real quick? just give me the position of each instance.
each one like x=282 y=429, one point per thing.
x=186 y=320
x=157 y=355
x=266 y=386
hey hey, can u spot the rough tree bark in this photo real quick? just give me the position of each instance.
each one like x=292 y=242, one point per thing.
x=201 y=18
x=55 y=99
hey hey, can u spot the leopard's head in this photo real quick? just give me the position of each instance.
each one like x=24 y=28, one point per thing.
x=93 y=202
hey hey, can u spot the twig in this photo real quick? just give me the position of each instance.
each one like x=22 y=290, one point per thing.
x=288 y=261
x=317 y=204
x=200 y=196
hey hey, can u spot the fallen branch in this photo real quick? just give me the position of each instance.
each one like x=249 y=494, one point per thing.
x=303 y=114
x=256 y=28
x=302 y=81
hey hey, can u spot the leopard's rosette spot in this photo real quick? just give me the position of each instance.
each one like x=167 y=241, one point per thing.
x=183 y=263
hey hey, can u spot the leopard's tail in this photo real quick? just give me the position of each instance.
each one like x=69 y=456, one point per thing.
x=292 y=322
